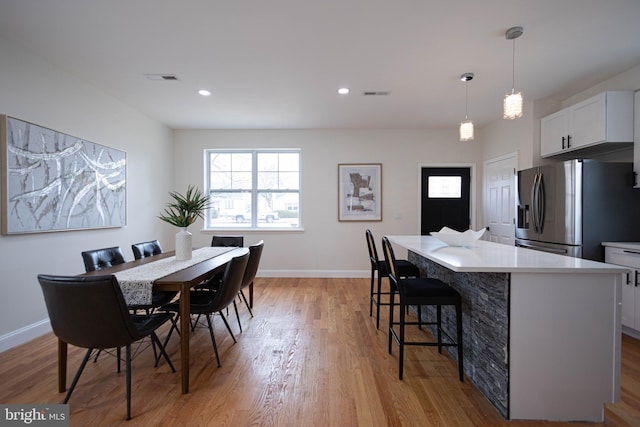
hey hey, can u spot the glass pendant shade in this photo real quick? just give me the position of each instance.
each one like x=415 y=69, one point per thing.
x=466 y=130
x=512 y=105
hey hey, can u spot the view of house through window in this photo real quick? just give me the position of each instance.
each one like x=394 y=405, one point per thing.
x=253 y=188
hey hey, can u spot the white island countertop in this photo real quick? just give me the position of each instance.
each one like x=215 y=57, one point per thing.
x=485 y=256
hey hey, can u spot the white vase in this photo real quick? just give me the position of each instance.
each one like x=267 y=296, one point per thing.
x=183 y=244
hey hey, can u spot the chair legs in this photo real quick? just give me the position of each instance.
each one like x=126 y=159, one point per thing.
x=128 y=379
x=235 y=307
x=213 y=339
x=77 y=376
x=371 y=294
x=376 y=295
x=163 y=352
x=87 y=356
x=378 y=302
x=459 y=341
x=174 y=325
x=399 y=337
x=246 y=303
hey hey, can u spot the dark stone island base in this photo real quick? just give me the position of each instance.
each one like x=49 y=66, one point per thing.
x=485 y=306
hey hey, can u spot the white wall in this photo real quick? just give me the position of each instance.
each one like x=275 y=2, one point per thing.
x=326 y=246
x=32 y=90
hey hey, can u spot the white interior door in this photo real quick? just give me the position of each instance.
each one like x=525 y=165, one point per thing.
x=499 y=203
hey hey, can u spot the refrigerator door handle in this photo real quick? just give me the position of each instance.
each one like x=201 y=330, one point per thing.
x=541 y=203
x=534 y=198
x=543 y=249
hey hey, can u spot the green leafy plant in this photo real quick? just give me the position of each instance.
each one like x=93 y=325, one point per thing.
x=185 y=209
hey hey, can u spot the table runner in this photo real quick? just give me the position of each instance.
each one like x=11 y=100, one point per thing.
x=137 y=282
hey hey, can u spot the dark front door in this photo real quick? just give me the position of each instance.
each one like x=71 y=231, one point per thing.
x=445 y=199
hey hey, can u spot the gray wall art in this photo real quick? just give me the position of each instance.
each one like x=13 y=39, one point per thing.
x=360 y=192
x=52 y=181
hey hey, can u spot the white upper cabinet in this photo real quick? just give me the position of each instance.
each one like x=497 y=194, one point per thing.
x=606 y=118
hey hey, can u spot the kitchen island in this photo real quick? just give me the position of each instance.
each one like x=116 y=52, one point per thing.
x=541 y=331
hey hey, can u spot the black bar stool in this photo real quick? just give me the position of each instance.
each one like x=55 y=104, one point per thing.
x=421 y=291
x=405 y=269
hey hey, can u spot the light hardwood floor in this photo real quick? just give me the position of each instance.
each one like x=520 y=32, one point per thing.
x=311 y=356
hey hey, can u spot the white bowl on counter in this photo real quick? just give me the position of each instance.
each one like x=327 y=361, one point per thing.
x=456 y=238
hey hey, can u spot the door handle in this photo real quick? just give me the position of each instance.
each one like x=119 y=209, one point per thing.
x=563 y=142
x=541 y=204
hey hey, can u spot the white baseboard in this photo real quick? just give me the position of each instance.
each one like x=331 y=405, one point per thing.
x=316 y=273
x=23 y=335
x=631 y=332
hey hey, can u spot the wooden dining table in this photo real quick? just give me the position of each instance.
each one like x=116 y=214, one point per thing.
x=181 y=281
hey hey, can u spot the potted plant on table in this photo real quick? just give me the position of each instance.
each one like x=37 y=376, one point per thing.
x=182 y=212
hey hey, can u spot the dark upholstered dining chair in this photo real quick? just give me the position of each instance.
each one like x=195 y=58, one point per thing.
x=214 y=301
x=227 y=241
x=146 y=249
x=421 y=291
x=380 y=267
x=97 y=259
x=90 y=312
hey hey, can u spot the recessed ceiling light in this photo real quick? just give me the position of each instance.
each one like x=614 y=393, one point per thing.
x=204 y=92
x=343 y=90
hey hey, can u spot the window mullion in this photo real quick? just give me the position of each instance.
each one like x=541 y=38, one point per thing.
x=254 y=190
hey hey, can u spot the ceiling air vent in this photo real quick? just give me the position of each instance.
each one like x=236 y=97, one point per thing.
x=161 y=76
x=376 y=93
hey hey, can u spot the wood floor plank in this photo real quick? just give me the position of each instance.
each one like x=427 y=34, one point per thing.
x=311 y=356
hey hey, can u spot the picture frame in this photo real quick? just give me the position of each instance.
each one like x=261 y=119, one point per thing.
x=52 y=181
x=360 y=192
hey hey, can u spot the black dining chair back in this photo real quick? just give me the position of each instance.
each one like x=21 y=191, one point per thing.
x=146 y=249
x=231 y=284
x=97 y=259
x=237 y=241
x=90 y=312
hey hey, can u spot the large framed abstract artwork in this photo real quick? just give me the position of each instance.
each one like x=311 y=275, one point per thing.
x=360 y=192
x=52 y=181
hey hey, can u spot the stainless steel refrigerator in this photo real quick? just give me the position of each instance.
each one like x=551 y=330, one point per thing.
x=571 y=207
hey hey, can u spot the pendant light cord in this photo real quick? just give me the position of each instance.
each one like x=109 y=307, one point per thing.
x=513 y=69
x=466 y=101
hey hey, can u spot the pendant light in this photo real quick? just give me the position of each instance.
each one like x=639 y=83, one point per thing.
x=466 y=127
x=513 y=101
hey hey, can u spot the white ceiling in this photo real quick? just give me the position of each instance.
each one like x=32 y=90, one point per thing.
x=278 y=63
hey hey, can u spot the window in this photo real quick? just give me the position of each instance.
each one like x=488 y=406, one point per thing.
x=445 y=187
x=253 y=188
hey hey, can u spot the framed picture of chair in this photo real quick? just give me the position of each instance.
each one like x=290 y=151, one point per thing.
x=52 y=181
x=360 y=192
